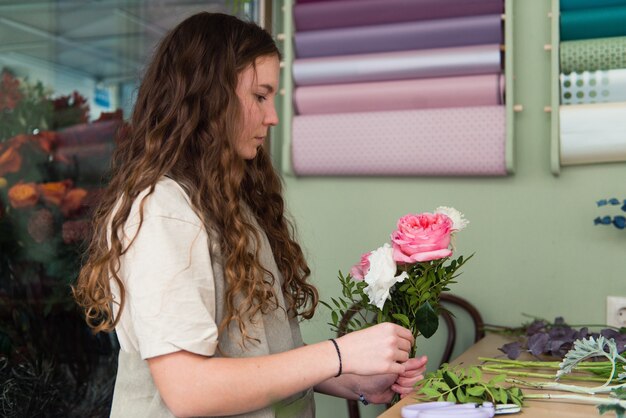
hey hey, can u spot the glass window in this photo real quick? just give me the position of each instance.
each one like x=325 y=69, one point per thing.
x=69 y=70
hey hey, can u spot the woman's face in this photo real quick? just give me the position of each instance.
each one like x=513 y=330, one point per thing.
x=257 y=89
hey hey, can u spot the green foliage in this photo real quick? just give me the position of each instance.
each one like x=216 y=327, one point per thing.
x=467 y=385
x=592 y=347
x=23 y=106
x=413 y=303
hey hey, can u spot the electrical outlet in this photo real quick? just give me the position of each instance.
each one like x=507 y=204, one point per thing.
x=616 y=311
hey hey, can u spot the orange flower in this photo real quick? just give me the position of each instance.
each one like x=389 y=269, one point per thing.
x=54 y=192
x=73 y=200
x=10 y=161
x=23 y=195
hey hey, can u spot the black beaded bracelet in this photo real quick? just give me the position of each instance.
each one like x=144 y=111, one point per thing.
x=363 y=400
x=338 y=355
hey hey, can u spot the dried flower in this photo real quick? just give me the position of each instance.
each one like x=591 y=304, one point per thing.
x=75 y=231
x=41 y=225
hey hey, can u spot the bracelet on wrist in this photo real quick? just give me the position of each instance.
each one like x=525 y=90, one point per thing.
x=339 y=356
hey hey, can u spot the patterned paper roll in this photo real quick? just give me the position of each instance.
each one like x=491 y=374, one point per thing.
x=475 y=90
x=341 y=14
x=593 y=133
x=593 y=54
x=587 y=4
x=466 y=141
x=593 y=23
x=462 y=31
x=593 y=87
x=401 y=65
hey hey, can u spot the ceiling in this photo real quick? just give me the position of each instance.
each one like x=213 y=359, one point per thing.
x=105 y=40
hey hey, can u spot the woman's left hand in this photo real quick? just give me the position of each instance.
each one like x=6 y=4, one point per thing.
x=381 y=388
x=414 y=372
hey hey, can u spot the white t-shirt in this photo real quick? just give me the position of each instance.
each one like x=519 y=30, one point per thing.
x=167 y=274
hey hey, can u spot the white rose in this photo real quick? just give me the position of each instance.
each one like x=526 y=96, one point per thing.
x=458 y=220
x=381 y=276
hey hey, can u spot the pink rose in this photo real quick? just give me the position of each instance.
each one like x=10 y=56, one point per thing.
x=422 y=237
x=358 y=271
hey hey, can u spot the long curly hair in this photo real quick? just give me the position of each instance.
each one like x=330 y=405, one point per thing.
x=184 y=124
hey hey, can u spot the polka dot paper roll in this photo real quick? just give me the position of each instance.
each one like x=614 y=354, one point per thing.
x=593 y=54
x=593 y=87
x=462 y=141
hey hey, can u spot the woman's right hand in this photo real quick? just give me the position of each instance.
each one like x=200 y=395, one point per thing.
x=380 y=349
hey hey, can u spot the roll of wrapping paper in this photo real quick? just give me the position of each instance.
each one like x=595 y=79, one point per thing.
x=476 y=90
x=461 y=31
x=587 y=4
x=593 y=133
x=593 y=23
x=593 y=54
x=593 y=87
x=401 y=65
x=467 y=141
x=341 y=14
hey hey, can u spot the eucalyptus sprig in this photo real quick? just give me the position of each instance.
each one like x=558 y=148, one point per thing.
x=467 y=385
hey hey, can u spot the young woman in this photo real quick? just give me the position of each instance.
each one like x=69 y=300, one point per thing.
x=193 y=262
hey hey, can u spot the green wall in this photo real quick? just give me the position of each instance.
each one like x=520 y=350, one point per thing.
x=536 y=248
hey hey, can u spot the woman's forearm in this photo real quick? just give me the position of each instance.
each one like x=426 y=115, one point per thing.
x=194 y=385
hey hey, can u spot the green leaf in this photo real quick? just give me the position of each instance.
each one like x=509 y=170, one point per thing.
x=476 y=390
x=427 y=320
x=403 y=319
x=431 y=393
x=451 y=397
x=335 y=317
x=460 y=395
x=451 y=378
x=441 y=386
x=619 y=411
x=503 y=395
x=498 y=379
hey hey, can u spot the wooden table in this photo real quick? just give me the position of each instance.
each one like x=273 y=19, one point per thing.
x=488 y=347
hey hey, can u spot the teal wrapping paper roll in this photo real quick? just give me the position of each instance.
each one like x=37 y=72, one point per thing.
x=593 y=87
x=589 y=4
x=593 y=54
x=593 y=23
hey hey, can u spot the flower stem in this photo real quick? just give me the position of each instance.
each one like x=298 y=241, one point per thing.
x=579 y=398
x=567 y=388
x=541 y=375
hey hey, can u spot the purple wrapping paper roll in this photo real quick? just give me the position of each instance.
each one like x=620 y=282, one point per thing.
x=345 y=13
x=385 y=66
x=462 y=31
x=476 y=90
x=466 y=141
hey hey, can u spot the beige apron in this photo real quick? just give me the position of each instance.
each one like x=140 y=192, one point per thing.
x=135 y=394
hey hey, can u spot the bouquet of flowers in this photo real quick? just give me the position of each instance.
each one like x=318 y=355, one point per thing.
x=50 y=362
x=401 y=282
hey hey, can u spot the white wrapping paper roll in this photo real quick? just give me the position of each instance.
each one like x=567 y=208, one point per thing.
x=594 y=133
